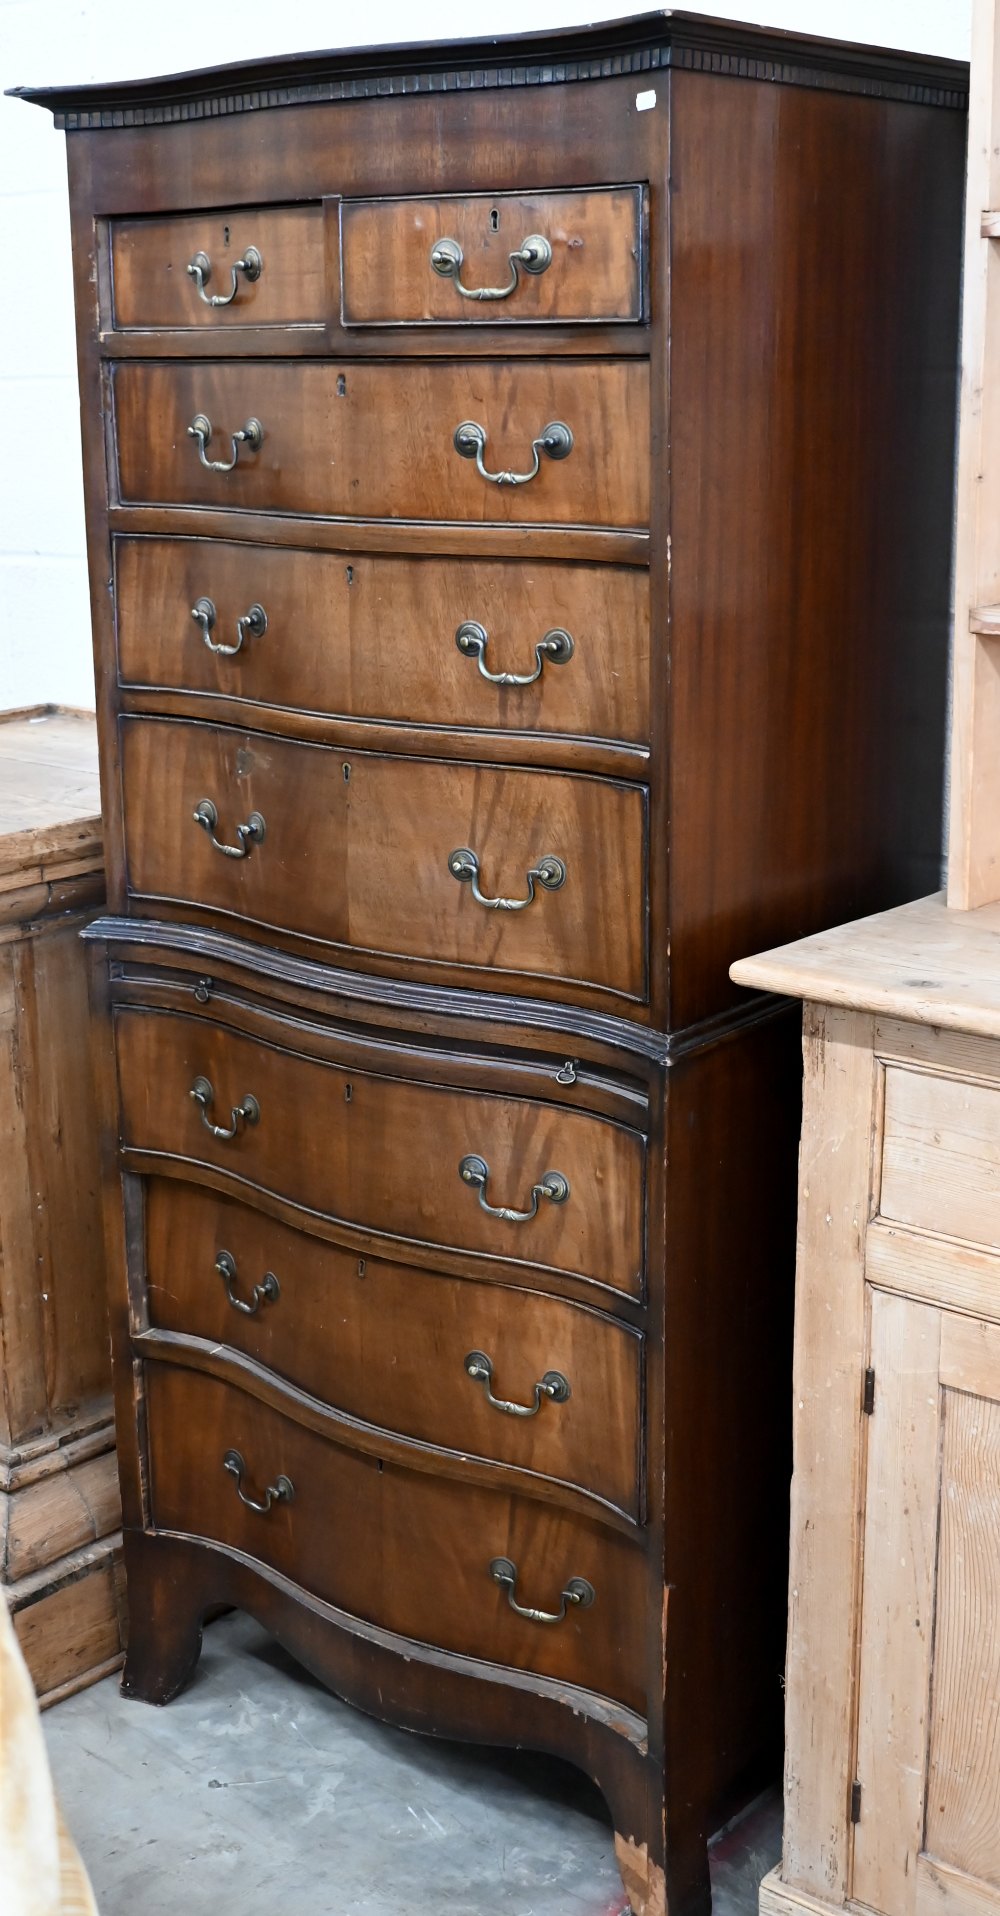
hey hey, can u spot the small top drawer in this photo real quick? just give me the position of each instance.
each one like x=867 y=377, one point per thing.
x=503 y=257
x=940 y=1167
x=254 y=266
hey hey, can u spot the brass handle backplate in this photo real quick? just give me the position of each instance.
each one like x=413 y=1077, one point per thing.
x=578 y=1593
x=252 y=624
x=534 y=255
x=474 y=1170
x=200 y=269
x=251 y=435
x=281 y=1491
x=469 y=441
x=252 y=833
x=246 y=1112
x=267 y=1291
x=555 y=648
x=550 y=873
x=553 y=1385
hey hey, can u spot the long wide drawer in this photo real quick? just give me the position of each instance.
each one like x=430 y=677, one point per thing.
x=408 y=1551
x=409 y=641
x=408 y=1349
x=378 y=440
x=386 y=1154
x=386 y=855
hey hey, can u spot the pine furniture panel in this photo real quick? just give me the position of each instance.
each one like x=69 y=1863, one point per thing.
x=892 y=1661
x=60 y=1509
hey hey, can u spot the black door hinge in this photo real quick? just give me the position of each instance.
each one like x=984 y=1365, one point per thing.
x=855 y=1802
x=868 y=1400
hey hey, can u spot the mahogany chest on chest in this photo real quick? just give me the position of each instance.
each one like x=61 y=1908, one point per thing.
x=518 y=483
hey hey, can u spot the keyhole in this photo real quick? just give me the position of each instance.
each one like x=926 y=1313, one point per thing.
x=362 y=1266
x=347 y=774
x=341 y=385
x=225 y=234
x=350 y=574
x=494 y=220
x=348 y=1093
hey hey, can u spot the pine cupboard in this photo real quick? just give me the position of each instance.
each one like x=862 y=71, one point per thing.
x=892 y=1768
x=522 y=470
x=60 y=1511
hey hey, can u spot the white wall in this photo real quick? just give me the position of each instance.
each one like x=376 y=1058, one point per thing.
x=44 y=621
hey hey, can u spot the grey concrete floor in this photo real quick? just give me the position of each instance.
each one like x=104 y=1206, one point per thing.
x=256 y=1791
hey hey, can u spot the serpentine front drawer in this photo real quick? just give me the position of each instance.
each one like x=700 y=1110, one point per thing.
x=483 y=645
x=493 y=257
x=537 y=875
x=539 y=442
x=482 y=1370
x=514 y=1179
x=427 y=1557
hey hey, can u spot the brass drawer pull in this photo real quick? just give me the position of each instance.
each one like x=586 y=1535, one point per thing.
x=469 y=441
x=471 y=639
x=553 y=1385
x=248 y=1112
x=251 y=435
x=578 y=1591
x=200 y=269
x=475 y=1171
x=267 y=1292
x=549 y=871
x=252 y=833
x=447 y=258
x=252 y=623
x=282 y=1491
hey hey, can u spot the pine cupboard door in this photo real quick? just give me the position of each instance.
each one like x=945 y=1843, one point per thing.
x=928 y=1760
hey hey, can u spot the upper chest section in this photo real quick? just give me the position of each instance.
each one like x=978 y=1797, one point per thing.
x=384 y=225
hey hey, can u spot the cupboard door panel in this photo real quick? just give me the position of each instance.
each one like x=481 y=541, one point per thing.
x=963 y=1794
x=928 y=1759
x=897 y=1605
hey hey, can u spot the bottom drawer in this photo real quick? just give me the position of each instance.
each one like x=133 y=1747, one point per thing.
x=408 y=1551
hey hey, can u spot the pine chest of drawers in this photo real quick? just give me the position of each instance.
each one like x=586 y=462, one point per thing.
x=518 y=481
